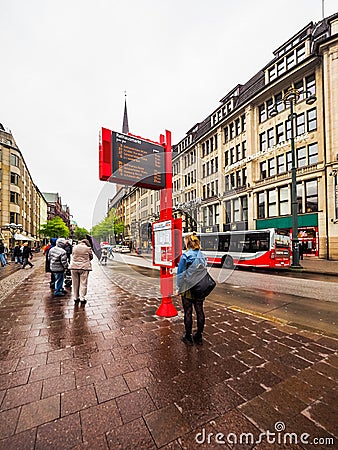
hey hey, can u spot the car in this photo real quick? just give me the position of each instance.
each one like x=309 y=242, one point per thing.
x=125 y=249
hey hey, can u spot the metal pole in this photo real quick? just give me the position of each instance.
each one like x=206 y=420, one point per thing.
x=294 y=206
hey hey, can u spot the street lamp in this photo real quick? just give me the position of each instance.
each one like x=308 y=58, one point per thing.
x=290 y=99
x=13 y=228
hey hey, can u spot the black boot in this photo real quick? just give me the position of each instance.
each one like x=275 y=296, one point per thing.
x=198 y=338
x=187 y=339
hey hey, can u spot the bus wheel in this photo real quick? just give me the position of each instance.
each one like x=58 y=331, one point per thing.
x=228 y=263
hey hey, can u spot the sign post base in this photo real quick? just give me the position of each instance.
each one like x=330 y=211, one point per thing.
x=166 y=309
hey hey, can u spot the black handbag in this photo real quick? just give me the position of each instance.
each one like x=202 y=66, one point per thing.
x=203 y=287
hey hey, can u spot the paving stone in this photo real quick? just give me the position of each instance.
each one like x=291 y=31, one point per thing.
x=8 y=421
x=44 y=371
x=111 y=388
x=134 y=405
x=60 y=434
x=21 y=395
x=89 y=376
x=130 y=436
x=21 y=441
x=100 y=419
x=323 y=415
x=77 y=399
x=39 y=412
x=14 y=379
x=166 y=424
x=139 y=378
x=57 y=385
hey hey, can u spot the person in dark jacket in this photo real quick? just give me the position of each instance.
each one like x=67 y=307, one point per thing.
x=26 y=255
x=17 y=254
x=51 y=244
x=69 y=250
x=191 y=260
x=58 y=264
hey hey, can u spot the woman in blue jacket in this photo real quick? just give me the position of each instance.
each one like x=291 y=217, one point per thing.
x=192 y=260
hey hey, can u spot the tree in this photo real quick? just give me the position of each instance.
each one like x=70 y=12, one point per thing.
x=109 y=226
x=55 y=227
x=80 y=233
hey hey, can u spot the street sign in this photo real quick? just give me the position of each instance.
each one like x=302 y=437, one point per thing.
x=136 y=161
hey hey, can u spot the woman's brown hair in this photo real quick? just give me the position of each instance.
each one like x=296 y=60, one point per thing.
x=192 y=241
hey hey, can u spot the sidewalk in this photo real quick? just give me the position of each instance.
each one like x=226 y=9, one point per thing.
x=113 y=375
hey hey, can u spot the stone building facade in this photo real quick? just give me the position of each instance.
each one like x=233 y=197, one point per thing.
x=232 y=171
x=21 y=202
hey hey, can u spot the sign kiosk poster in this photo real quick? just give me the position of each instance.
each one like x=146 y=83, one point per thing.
x=163 y=243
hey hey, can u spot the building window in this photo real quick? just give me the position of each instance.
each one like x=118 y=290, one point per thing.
x=232 y=155
x=238 y=152
x=262 y=141
x=284 y=201
x=312 y=119
x=232 y=130
x=288 y=161
x=300 y=124
x=263 y=170
x=239 y=178
x=299 y=197
x=288 y=129
x=272 y=73
x=228 y=211
x=244 y=176
x=226 y=158
x=243 y=119
x=14 y=178
x=244 y=149
x=244 y=202
x=262 y=113
x=310 y=84
x=14 y=197
x=279 y=133
x=279 y=102
x=280 y=68
x=226 y=134
x=14 y=217
x=313 y=153
x=271 y=167
x=272 y=203
x=301 y=157
x=300 y=53
x=290 y=61
x=14 y=160
x=299 y=86
x=270 y=137
x=261 y=205
x=238 y=126
x=237 y=212
x=311 y=196
x=280 y=164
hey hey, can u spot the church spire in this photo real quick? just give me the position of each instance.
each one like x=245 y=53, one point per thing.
x=125 y=126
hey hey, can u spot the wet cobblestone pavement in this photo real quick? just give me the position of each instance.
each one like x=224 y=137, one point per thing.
x=113 y=375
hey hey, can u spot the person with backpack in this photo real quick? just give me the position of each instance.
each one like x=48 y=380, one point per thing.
x=58 y=262
x=191 y=263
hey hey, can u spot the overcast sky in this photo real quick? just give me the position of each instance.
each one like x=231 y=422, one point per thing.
x=65 y=65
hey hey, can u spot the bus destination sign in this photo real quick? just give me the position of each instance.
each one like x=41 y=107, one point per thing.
x=137 y=162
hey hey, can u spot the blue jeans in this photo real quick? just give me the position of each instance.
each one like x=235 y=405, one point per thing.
x=58 y=276
x=3 y=259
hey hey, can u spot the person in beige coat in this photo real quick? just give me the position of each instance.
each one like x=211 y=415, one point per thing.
x=80 y=266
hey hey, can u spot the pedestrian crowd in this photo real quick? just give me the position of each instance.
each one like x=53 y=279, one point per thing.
x=21 y=254
x=69 y=266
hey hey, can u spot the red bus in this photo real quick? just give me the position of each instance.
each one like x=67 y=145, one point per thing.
x=266 y=248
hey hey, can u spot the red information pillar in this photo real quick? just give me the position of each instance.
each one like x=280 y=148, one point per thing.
x=166 y=309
